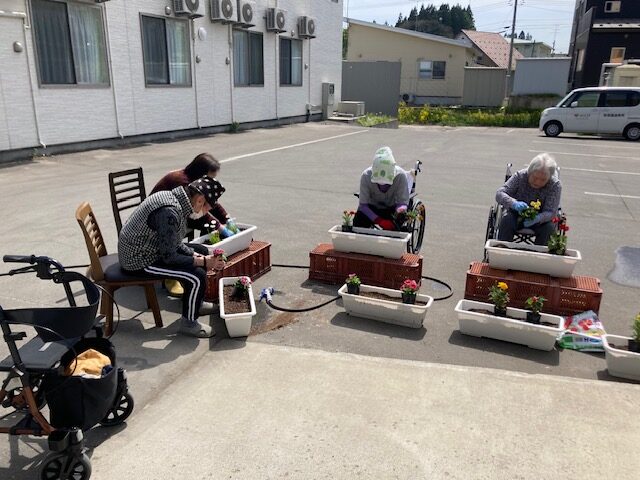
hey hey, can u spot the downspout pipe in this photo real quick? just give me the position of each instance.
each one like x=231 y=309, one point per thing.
x=113 y=80
x=25 y=27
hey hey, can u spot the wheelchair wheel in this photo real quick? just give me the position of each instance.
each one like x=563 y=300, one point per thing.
x=416 y=228
x=491 y=225
x=119 y=412
x=60 y=466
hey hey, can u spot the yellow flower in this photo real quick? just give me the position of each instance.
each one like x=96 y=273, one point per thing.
x=503 y=286
x=536 y=205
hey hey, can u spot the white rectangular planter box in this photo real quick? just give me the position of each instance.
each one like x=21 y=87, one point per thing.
x=238 y=324
x=238 y=242
x=540 y=337
x=621 y=363
x=385 y=310
x=538 y=261
x=369 y=241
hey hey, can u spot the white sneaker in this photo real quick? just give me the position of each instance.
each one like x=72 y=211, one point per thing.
x=207 y=308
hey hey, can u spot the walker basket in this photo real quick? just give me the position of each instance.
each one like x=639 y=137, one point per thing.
x=80 y=402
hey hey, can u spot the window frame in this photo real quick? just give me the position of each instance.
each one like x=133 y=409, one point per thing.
x=431 y=70
x=36 y=53
x=249 y=33
x=144 y=65
x=291 y=84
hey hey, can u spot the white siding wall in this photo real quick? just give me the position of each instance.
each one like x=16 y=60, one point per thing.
x=128 y=107
x=541 y=75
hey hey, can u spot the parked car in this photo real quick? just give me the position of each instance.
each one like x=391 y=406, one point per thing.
x=598 y=110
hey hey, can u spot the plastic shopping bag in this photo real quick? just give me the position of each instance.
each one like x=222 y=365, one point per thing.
x=583 y=332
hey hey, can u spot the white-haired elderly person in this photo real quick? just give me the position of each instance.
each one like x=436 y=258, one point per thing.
x=537 y=182
x=384 y=193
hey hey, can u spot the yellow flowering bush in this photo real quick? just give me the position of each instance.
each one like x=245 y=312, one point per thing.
x=499 y=295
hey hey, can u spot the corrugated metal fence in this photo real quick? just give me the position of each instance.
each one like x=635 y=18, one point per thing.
x=375 y=83
x=483 y=86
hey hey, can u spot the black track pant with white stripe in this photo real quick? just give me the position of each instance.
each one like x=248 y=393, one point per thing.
x=193 y=280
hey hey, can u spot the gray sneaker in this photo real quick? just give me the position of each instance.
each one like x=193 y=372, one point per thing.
x=195 y=329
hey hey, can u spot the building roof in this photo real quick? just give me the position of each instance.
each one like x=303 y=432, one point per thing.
x=520 y=41
x=411 y=33
x=493 y=46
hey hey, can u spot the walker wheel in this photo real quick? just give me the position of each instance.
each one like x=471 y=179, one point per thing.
x=60 y=466
x=119 y=412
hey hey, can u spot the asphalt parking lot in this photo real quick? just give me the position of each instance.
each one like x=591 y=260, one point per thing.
x=293 y=183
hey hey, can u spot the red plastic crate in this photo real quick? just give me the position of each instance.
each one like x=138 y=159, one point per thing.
x=253 y=262
x=330 y=266
x=565 y=296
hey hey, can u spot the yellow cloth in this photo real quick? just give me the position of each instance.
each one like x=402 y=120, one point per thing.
x=88 y=362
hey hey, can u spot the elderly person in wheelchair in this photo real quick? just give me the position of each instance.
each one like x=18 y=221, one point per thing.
x=384 y=193
x=537 y=182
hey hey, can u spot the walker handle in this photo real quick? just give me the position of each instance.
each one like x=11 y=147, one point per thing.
x=19 y=259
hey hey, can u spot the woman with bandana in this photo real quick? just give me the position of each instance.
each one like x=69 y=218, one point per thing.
x=384 y=193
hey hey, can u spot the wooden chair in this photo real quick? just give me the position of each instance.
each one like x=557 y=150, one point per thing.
x=105 y=269
x=127 y=191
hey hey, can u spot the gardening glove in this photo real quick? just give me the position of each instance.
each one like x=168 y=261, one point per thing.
x=385 y=224
x=531 y=222
x=519 y=206
x=225 y=232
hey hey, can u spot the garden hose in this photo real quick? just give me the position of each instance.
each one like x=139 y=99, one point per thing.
x=266 y=293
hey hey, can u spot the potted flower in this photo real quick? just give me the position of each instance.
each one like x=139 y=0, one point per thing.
x=353 y=284
x=409 y=291
x=557 y=243
x=219 y=254
x=622 y=353
x=634 y=342
x=241 y=287
x=347 y=220
x=214 y=237
x=237 y=306
x=499 y=297
x=531 y=211
x=534 y=306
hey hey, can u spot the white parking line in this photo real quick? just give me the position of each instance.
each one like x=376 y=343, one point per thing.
x=611 y=195
x=262 y=152
x=586 y=155
x=599 y=171
x=593 y=144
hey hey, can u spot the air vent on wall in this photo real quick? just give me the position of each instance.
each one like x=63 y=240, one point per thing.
x=223 y=11
x=276 y=20
x=306 y=27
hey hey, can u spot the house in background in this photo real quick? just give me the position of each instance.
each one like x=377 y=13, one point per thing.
x=82 y=74
x=490 y=49
x=532 y=48
x=432 y=67
x=604 y=32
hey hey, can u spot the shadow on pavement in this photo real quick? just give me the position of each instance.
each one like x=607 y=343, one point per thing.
x=551 y=358
x=379 y=328
x=604 y=375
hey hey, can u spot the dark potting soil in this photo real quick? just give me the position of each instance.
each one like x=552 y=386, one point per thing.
x=382 y=296
x=233 y=304
x=502 y=245
x=619 y=347
x=488 y=312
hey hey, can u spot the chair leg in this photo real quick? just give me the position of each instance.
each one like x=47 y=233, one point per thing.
x=107 y=309
x=152 y=302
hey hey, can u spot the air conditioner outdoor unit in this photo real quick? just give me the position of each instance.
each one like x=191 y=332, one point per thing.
x=276 y=20
x=223 y=11
x=306 y=27
x=188 y=8
x=246 y=14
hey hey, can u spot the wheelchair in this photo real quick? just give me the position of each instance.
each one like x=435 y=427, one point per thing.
x=414 y=220
x=523 y=235
x=38 y=373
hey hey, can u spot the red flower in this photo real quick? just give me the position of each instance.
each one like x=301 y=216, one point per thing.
x=563 y=227
x=555 y=219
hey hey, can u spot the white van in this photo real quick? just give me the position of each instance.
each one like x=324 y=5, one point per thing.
x=597 y=110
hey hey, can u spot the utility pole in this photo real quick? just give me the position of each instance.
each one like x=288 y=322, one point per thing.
x=507 y=86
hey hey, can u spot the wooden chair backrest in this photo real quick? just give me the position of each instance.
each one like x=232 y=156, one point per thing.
x=127 y=191
x=93 y=238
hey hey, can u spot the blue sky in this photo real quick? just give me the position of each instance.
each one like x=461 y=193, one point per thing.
x=546 y=20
